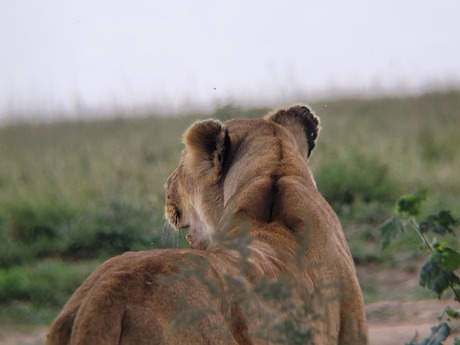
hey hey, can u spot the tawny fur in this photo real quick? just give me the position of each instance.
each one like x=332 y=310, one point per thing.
x=268 y=259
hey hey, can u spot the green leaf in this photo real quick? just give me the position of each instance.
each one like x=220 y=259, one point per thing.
x=389 y=231
x=446 y=219
x=438 y=334
x=452 y=313
x=450 y=258
x=439 y=246
x=428 y=224
x=441 y=223
x=435 y=276
x=411 y=204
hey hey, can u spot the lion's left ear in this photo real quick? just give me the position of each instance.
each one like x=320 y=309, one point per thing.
x=302 y=124
x=206 y=145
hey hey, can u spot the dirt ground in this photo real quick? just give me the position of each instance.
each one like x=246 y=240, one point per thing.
x=396 y=319
x=390 y=323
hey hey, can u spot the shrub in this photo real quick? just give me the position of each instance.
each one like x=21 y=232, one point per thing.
x=439 y=271
x=355 y=178
x=29 y=223
x=119 y=228
x=47 y=284
x=33 y=231
x=30 y=231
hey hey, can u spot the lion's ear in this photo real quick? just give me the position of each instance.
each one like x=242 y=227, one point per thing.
x=302 y=123
x=206 y=145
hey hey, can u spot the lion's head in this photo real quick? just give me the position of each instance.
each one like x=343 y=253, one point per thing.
x=221 y=158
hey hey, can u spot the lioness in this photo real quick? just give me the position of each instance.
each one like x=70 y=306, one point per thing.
x=268 y=261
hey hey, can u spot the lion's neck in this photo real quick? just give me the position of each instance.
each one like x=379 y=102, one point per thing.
x=268 y=199
x=269 y=210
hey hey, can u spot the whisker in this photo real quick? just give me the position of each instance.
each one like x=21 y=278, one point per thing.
x=170 y=235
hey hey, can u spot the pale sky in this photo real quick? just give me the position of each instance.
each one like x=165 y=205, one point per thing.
x=66 y=54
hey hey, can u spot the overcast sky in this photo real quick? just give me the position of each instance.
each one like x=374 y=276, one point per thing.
x=66 y=54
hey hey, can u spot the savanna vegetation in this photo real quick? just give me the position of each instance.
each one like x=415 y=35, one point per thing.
x=74 y=193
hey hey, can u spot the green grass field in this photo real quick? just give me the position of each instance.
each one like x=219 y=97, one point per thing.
x=75 y=193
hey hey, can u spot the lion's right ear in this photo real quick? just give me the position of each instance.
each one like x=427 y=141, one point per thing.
x=302 y=124
x=206 y=145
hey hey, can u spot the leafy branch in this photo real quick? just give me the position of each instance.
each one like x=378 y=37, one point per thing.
x=438 y=272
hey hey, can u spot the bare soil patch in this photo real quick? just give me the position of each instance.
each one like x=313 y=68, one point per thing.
x=34 y=337
x=391 y=322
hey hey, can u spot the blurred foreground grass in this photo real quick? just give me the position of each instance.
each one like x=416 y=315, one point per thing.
x=75 y=193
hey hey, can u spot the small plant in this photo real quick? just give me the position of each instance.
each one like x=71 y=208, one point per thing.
x=438 y=272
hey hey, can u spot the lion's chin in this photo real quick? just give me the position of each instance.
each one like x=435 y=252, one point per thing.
x=196 y=242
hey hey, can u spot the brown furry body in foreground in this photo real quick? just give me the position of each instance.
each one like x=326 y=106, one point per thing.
x=268 y=264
